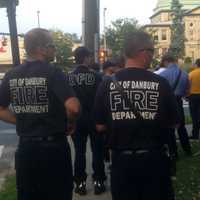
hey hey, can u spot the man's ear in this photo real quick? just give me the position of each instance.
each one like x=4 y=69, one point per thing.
x=42 y=50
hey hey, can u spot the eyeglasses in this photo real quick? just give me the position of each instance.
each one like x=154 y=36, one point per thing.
x=151 y=50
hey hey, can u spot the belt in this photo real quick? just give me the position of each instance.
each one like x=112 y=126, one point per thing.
x=138 y=151
x=40 y=138
x=131 y=152
x=135 y=152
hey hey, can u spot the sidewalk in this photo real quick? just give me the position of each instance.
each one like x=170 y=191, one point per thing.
x=90 y=190
x=90 y=193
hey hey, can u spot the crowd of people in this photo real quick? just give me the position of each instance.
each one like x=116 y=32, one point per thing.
x=129 y=113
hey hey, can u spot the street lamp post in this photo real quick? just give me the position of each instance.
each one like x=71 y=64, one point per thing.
x=104 y=26
x=11 y=10
x=90 y=29
x=38 y=18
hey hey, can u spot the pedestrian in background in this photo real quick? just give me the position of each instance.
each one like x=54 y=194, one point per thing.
x=44 y=106
x=194 y=99
x=179 y=83
x=162 y=67
x=85 y=83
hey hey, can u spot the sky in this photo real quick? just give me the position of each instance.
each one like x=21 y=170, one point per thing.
x=66 y=15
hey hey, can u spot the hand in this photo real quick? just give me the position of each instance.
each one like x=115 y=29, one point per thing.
x=186 y=98
x=197 y=197
x=71 y=127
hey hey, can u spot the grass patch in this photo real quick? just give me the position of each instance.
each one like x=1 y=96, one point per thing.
x=8 y=191
x=188 y=174
x=186 y=186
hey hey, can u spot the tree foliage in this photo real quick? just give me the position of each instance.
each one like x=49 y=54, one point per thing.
x=117 y=31
x=177 y=46
x=64 y=44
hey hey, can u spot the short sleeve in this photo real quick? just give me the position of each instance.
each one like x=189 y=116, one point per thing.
x=100 y=106
x=5 y=92
x=60 y=86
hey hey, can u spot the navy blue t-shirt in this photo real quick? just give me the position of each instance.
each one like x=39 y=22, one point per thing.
x=36 y=92
x=152 y=97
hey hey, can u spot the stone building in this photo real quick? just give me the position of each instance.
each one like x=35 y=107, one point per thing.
x=5 y=48
x=161 y=22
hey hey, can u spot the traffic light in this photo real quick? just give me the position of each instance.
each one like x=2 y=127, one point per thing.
x=102 y=55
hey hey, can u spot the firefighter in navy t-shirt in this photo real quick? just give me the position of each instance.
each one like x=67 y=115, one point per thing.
x=85 y=82
x=43 y=104
x=140 y=166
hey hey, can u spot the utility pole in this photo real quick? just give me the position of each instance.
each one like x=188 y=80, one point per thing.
x=90 y=26
x=104 y=37
x=11 y=10
x=38 y=18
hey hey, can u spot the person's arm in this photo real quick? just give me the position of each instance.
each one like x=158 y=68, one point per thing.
x=7 y=116
x=101 y=127
x=65 y=94
x=187 y=92
x=172 y=115
x=100 y=108
x=72 y=107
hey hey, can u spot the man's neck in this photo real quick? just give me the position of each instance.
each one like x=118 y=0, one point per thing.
x=35 y=58
x=130 y=63
x=172 y=64
x=83 y=65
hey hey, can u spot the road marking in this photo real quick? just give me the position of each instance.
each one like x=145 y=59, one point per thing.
x=8 y=131
x=1 y=150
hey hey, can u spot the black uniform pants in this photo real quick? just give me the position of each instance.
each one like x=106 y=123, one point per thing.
x=80 y=139
x=181 y=130
x=141 y=176
x=44 y=170
x=194 y=102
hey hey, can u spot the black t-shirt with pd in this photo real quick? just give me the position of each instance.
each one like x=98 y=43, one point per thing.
x=153 y=98
x=36 y=92
x=85 y=83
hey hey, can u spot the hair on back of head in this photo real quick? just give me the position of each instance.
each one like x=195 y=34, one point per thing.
x=37 y=37
x=135 y=41
x=168 y=57
x=80 y=54
x=197 y=62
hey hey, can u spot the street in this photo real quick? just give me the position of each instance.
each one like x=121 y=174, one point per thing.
x=7 y=134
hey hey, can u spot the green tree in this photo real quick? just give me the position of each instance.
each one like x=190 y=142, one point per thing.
x=177 y=46
x=64 y=44
x=75 y=37
x=116 y=33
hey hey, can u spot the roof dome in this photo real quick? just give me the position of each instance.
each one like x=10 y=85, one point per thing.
x=166 y=4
